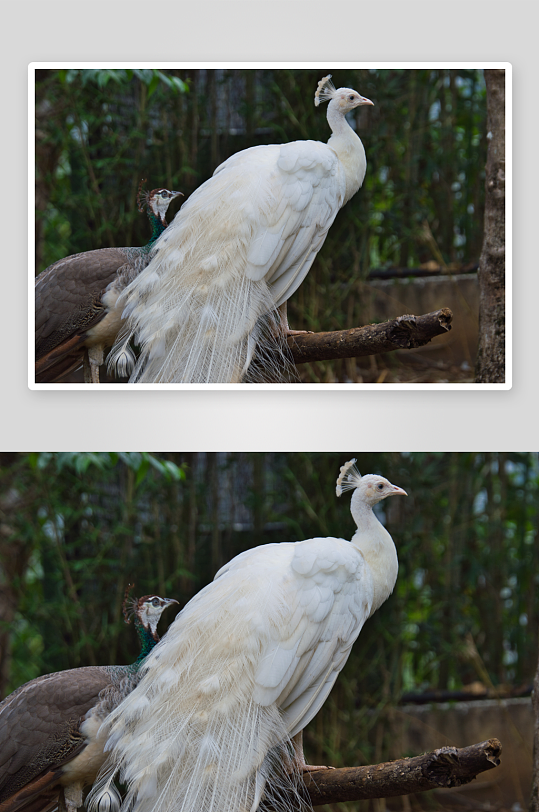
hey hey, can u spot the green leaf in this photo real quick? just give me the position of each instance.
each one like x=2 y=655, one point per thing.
x=153 y=85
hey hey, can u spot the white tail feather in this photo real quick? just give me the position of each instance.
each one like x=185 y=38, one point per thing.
x=106 y=799
x=194 y=312
x=201 y=742
x=122 y=359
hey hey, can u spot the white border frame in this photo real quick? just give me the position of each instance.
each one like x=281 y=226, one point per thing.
x=270 y=387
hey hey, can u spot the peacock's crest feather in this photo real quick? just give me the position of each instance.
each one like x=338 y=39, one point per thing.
x=325 y=90
x=349 y=477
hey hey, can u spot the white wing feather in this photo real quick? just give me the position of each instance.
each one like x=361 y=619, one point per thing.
x=325 y=593
x=329 y=588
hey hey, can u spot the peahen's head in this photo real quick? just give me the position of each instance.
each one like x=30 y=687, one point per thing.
x=369 y=489
x=343 y=99
x=146 y=611
x=158 y=201
x=149 y=609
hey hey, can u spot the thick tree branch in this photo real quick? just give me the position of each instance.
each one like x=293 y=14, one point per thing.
x=398 y=334
x=446 y=767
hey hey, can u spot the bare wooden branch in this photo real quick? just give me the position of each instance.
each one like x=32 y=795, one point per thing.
x=446 y=767
x=398 y=334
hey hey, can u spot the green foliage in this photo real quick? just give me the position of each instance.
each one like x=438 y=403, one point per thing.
x=81 y=461
x=99 y=134
x=84 y=546
x=101 y=77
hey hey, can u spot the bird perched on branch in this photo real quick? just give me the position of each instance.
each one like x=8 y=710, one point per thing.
x=76 y=314
x=49 y=738
x=216 y=720
x=240 y=246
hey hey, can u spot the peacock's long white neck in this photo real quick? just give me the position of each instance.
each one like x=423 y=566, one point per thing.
x=378 y=549
x=349 y=149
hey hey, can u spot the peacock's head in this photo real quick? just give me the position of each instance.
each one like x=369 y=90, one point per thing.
x=369 y=489
x=343 y=98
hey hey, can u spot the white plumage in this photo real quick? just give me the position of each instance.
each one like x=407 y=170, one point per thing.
x=247 y=664
x=236 y=251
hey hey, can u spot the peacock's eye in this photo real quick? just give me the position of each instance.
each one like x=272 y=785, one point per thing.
x=381 y=486
x=351 y=98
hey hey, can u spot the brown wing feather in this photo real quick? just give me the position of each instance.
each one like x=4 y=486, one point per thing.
x=60 y=360
x=39 y=795
x=68 y=294
x=39 y=724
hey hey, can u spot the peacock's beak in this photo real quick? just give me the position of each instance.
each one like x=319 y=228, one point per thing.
x=366 y=101
x=397 y=491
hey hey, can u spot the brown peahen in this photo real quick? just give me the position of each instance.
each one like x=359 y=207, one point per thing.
x=49 y=742
x=76 y=314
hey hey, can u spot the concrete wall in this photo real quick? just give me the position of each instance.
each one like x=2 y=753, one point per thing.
x=387 y=299
x=419 y=729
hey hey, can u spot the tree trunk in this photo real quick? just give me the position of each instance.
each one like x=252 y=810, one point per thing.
x=48 y=152
x=15 y=553
x=490 y=366
x=534 y=800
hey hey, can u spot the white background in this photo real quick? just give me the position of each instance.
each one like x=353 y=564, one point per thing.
x=272 y=31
